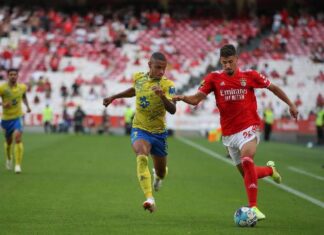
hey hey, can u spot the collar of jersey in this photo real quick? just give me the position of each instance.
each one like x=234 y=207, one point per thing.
x=14 y=86
x=237 y=71
x=152 y=79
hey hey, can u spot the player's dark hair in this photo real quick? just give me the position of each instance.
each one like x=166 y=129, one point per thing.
x=227 y=50
x=12 y=70
x=158 y=56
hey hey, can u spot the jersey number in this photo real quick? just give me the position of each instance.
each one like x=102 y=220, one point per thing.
x=249 y=133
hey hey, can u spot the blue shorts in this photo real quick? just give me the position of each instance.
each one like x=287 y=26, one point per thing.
x=12 y=125
x=159 y=146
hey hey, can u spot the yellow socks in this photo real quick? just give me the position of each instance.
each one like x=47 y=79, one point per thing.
x=144 y=175
x=19 y=150
x=7 y=150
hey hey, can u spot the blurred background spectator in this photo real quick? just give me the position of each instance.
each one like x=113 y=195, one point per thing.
x=71 y=54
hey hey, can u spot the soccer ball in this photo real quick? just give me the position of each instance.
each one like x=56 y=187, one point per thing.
x=245 y=217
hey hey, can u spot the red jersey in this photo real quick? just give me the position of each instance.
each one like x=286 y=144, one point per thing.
x=235 y=98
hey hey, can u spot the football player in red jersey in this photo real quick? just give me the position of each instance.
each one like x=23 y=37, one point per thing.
x=233 y=89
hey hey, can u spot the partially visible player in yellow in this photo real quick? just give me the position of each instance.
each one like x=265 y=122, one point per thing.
x=154 y=94
x=13 y=94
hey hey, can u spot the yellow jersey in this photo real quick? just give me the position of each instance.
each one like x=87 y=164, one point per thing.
x=150 y=111
x=14 y=96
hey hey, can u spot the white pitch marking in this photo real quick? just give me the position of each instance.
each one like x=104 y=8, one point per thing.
x=282 y=186
x=305 y=173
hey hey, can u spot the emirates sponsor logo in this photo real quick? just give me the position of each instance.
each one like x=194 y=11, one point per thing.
x=233 y=94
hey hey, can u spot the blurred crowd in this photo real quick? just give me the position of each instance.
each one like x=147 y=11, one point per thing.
x=39 y=39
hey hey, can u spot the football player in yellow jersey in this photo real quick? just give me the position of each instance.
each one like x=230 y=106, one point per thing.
x=154 y=94
x=13 y=94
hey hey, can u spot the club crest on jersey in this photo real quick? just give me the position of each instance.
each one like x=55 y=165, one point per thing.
x=222 y=83
x=172 y=90
x=243 y=81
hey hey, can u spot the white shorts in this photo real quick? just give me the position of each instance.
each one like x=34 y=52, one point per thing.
x=235 y=142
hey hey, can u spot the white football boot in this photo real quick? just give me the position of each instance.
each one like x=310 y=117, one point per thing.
x=9 y=164
x=149 y=204
x=17 y=169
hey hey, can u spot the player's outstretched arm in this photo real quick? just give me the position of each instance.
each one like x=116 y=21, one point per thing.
x=25 y=100
x=124 y=94
x=282 y=95
x=191 y=99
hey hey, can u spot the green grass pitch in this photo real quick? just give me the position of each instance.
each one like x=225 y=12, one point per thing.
x=87 y=185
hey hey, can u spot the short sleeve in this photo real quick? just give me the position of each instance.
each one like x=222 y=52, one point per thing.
x=24 y=88
x=206 y=85
x=259 y=80
x=1 y=90
x=170 y=90
x=135 y=77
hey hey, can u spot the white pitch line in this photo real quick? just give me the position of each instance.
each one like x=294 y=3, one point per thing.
x=282 y=186
x=305 y=173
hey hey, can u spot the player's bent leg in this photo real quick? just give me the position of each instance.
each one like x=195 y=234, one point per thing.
x=160 y=171
x=157 y=180
x=144 y=175
x=144 y=178
x=8 y=148
x=142 y=148
x=250 y=178
x=159 y=154
x=9 y=164
x=8 y=154
x=275 y=174
x=263 y=171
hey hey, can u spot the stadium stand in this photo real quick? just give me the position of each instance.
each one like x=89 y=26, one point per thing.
x=89 y=56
